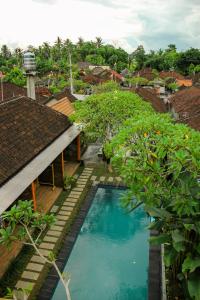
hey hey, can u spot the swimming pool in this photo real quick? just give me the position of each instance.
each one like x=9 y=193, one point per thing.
x=110 y=258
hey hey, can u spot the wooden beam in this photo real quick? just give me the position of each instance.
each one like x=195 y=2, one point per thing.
x=78 y=147
x=33 y=188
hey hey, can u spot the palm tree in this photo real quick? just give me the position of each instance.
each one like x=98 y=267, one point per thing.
x=98 y=42
x=80 y=42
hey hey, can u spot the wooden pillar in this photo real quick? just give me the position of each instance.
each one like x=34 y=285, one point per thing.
x=53 y=176
x=33 y=188
x=78 y=148
x=63 y=164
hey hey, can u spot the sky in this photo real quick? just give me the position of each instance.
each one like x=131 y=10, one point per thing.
x=124 y=23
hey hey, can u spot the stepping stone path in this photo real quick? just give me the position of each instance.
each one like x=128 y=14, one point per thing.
x=36 y=264
x=102 y=178
x=54 y=209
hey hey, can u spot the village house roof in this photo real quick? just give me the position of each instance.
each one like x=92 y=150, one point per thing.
x=11 y=90
x=65 y=94
x=150 y=95
x=97 y=71
x=27 y=128
x=170 y=74
x=64 y=106
x=186 y=103
x=116 y=75
x=184 y=82
x=92 y=79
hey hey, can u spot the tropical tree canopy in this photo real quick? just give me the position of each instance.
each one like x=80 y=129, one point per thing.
x=160 y=163
x=102 y=115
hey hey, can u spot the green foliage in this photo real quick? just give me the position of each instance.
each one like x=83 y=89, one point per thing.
x=103 y=114
x=172 y=86
x=56 y=57
x=68 y=182
x=138 y=81
x=108 y=86
x=95 y=59
x=160 y=163
x=22 y=214
x=16 y=76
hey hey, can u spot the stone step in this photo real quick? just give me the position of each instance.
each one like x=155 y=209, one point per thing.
x=56 y=228
x=68 y=203
x=71 y=199
x=62 y=218
x=102 y=178
x=30 y=275
x=67 y=208
x=34 y=267
x=45 y=252
x=47 y=246
x=73 y=192
x=51 y=239
x=80 y=185
x=64 y=213
x=21 y=284
x=78 y=189
x=110 y=179
x=54 y=209
x=53 y=232
x=60 y=223
x=75 y=196
x=37 y=259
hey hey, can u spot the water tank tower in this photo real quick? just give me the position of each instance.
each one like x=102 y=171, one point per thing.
x=30 y=71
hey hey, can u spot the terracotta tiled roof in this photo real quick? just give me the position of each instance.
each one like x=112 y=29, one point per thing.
x=187 y=104
x=11 y=90
x=91 y=79
x=116 y=75
x=27 y=128
x=65 y=94
x=150 y=95
x=64 y=106
x=184 y=82
x=43 y=91
x=172 y=74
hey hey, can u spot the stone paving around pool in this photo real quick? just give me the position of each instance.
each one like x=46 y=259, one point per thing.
x=34 y=268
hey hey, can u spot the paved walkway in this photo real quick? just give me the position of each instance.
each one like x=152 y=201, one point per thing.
x=36 y=264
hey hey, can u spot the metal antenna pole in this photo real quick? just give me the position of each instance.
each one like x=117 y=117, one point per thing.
x=70 y=70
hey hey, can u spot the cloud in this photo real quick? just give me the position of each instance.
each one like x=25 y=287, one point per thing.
x=152 y=23
x=46 y=1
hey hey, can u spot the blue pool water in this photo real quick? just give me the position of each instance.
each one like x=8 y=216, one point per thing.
x=110 y=258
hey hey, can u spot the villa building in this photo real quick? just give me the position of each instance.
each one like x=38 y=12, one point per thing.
x=36 y=141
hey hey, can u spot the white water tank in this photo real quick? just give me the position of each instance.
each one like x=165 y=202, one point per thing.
x=29 y=61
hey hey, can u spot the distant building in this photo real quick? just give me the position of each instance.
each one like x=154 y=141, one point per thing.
x=185 y=106
x=11 y=90
x=151 y=96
